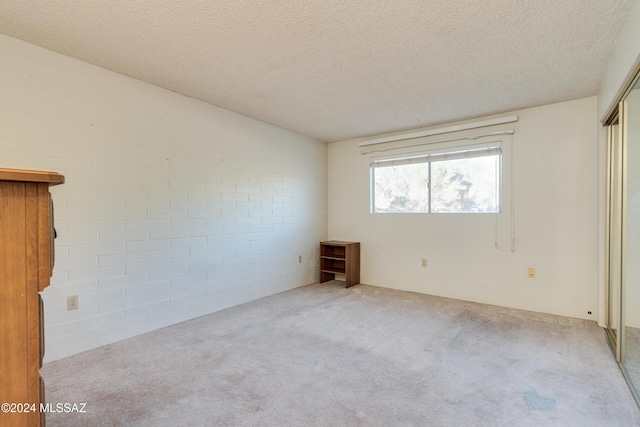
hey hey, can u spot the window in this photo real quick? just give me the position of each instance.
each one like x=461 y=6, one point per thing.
x=458 y=180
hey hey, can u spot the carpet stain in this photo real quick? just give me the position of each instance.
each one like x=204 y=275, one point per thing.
x=538 y=402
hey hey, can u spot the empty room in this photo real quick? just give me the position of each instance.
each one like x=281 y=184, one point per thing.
x=292 y=213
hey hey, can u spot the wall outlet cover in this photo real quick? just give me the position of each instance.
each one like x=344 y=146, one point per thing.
x=72 y=302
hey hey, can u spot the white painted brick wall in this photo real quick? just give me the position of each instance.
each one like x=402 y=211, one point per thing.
x=171 y=209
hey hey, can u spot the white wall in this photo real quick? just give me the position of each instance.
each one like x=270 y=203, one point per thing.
x=622 y=64
x=171 y=209
x=554 y=149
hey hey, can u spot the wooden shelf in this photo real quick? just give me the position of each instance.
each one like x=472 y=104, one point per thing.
x=52 y=178
x=337 y=257
x=26 y=263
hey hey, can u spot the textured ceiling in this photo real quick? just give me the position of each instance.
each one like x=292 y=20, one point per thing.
x=339 y=69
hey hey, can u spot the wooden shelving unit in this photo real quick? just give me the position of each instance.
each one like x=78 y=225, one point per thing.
x=26 y=263
x=338 y=257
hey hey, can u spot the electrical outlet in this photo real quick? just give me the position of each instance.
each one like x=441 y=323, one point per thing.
x=72 y=302
x=531 y=273
x=424 y=263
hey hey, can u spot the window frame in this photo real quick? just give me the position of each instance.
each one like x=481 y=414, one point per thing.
x=431 y=152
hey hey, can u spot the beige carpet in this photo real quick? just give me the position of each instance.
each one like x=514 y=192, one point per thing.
x=323 y=355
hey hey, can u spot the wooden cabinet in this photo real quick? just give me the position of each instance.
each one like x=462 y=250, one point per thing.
x=26 y=264
x=340 y=258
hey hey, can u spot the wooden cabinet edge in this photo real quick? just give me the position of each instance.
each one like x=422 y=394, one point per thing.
x=52 y=178
x=37 y=216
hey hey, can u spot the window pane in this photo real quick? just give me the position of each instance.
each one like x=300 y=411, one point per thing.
x=401 y=189
x=466 y=185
